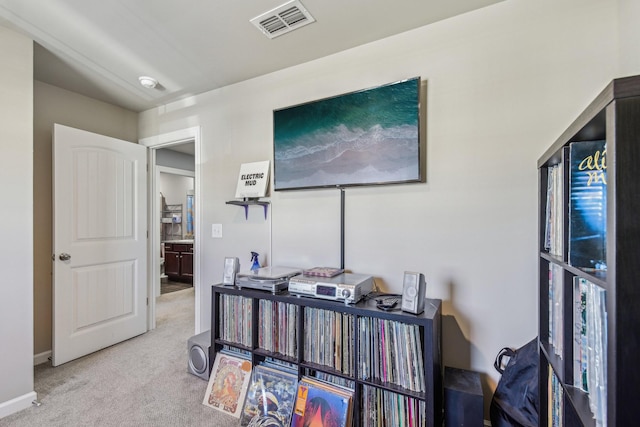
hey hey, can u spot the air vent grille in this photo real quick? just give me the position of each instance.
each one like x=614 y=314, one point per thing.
x=283 y=19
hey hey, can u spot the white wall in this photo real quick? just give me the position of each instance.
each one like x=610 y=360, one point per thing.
x=629 y=36
x=16 y=205
x=502 y=84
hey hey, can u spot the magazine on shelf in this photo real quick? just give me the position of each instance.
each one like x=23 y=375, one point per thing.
x=228 y=384
x=270 y=397
x=588 y=205
x=322 y=403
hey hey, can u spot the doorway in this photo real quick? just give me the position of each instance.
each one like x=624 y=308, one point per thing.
x=183 y=140
x=176 y=202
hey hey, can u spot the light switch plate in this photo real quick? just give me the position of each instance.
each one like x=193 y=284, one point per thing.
x=216 y=231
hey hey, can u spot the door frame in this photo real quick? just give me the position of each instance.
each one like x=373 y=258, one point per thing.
x=153 y=143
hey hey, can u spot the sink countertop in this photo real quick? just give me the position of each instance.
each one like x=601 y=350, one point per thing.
x=178 y=241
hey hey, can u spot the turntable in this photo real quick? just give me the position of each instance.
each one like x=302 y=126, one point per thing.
x=272 y=279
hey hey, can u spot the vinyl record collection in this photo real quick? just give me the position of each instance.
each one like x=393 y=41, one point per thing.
x=329 y=342
x=334 y=379
x=277 y=328
x=385 y=408
x=270 y=397
x=556 y=401
x=238 y=308
x=322 y=403
x=391 y=352
x=355 y=364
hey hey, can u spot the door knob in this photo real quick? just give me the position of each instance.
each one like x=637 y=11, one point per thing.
x=64 y=257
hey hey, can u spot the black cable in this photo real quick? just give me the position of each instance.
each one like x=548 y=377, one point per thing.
x=388 y=302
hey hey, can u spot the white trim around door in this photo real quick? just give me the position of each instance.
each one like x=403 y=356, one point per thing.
x=153 y=143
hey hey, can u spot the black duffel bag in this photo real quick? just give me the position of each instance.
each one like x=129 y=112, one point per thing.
x=515 y=401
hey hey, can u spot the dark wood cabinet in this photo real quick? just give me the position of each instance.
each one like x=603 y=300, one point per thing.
x=186 y=264
x=178 y=261
x=566 y=393
x=344 y=342
x=171 y=263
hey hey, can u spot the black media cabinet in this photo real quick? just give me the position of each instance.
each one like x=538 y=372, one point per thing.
x=339 y=340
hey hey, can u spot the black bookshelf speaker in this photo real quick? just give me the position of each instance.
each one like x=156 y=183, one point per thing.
x=463 y=398
x=414 y=288
x=198 y=350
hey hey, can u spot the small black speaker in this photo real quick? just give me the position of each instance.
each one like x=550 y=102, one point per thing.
x=198 y=350
x=463 y=399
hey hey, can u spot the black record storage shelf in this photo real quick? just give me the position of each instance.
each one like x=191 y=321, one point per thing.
x=589 y=236
x=353 y=344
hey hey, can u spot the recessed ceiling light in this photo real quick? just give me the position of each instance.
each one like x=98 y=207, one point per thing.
x=148 y=82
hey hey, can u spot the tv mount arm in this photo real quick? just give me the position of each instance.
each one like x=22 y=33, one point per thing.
x=341 y=228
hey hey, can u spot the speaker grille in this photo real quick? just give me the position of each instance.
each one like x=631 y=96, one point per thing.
x=197 y=359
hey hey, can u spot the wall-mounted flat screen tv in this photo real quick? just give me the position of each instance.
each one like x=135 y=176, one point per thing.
x=368 y=137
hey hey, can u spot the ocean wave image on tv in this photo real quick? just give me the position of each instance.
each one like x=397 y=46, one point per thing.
x=361 y=138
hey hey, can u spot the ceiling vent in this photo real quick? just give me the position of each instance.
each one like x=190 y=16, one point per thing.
x=283 y=19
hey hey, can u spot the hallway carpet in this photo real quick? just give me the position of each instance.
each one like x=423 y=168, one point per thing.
x=140 y=382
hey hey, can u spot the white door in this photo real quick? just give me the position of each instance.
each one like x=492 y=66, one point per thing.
x=99 y=242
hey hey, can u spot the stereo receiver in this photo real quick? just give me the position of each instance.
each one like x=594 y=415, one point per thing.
x=347 y=287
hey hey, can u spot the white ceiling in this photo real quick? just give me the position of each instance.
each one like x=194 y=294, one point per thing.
x=99 y=48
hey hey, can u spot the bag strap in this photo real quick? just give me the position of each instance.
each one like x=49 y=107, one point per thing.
x=505 y=352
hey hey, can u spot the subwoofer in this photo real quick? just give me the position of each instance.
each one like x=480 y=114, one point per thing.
x=198 y=351
x=463 y=398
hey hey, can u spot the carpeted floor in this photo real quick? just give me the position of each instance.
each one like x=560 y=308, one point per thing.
x=140 y=382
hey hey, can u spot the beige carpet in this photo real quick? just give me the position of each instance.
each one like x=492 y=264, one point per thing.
x=140 y=382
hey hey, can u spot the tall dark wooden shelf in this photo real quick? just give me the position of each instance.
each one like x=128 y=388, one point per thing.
x=613 y=116
x=429 y=324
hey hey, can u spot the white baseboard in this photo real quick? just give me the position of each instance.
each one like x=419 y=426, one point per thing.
x=41 y=358
x=18 y=404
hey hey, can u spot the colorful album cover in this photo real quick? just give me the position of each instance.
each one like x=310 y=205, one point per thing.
x=270 y=398
x=322 y=405
x=228 y=384
x=588 y=205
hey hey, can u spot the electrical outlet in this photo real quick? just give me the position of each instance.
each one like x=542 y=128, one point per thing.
x=216 y=231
